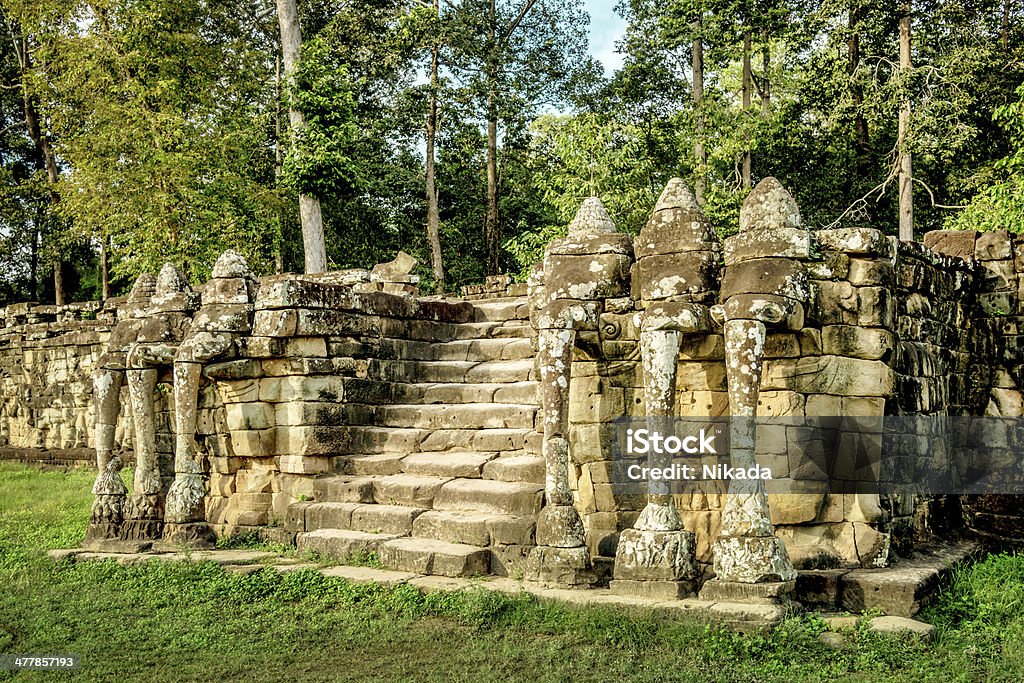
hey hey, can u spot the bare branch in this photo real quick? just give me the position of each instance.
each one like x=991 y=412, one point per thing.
x=16 y=124
x=931 y=196
x=515 y=23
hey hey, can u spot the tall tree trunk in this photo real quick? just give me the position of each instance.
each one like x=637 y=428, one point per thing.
x=433 y=217
x=33 y=266
x=104 y=269
x=906 y=173
x=700 y=155
x=278 y=165
x=49 y=160
x=747 y=86
x=492 y=225
x=856 y=91
x=309 y=206
x=766 y=83
x=1006 y=26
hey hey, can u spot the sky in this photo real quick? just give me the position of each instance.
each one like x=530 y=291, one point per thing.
x=605 y=28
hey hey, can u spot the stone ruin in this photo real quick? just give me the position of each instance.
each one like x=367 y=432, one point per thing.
x=466 y=436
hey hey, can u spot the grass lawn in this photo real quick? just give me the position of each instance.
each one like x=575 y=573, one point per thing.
x=193 y=622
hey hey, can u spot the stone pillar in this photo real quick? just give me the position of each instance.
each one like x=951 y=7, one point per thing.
x=170 y=313
x=108 y=508
x=581 y=270
x=226 y=313
x=677 y=258
x=763 y=286
x=555 y=355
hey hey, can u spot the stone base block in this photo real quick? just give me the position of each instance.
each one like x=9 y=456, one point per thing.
x=117 y=546
x=900 y=626
x=758 y=559
x=561 y=567
x=142 y=530
x=820 y=588
x=656 y=556
x=773 y=593
x=660 y=590
x=427 y=556
x=188 y=535
x=340 y=544
x=99 y=532
x=748 y=618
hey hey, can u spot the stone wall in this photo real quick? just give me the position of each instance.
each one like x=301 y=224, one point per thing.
x=889 y=329
x=47 y=355
x=995 y=357
x=894 y=329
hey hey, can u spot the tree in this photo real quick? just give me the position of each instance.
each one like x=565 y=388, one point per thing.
x=27 y=25
x=433 y=214
x=572 y=157
x=906 y=174
x=515 y=56
x=309 y=206
x=162 y=112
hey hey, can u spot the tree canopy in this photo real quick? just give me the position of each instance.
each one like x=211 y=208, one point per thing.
x=134 y=132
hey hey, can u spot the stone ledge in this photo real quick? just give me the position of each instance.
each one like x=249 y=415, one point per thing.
x=742 y=617
x=899 y=590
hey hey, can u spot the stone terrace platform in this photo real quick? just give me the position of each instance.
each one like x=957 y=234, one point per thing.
x=899 y=591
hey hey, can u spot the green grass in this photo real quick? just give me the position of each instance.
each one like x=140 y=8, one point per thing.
x=194 y=622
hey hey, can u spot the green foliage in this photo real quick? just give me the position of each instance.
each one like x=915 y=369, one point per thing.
x=1000 y=205
x=572 y=157
x=320 y=162
x=164 y=115
x=157 y=109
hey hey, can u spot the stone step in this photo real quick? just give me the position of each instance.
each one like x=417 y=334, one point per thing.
x=465 y=464
x=365 y=440
x=474 y=350
x=368 y=518
x=340 y=544
x=506 y=371
x=342 y=488
x=369 y=464
x=496 y=497
x=483 y=440
x=454 y=371
x=528 y=469
x=440 y=558
x=474 y=528
x=500 y=310
x=325 y=515
x=523 y=393
x=511 y=329
x=456 y=416
x=384 y=519
x=407 y=489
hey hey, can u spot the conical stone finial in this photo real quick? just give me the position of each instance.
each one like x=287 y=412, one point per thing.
x=676 y=224
x=591 y=219
x=231 y=264
x=676 y=195
x=769 y=206
x=171 y=281
x=143 y=289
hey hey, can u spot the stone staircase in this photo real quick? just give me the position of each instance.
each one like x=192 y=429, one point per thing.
x=448 y=478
